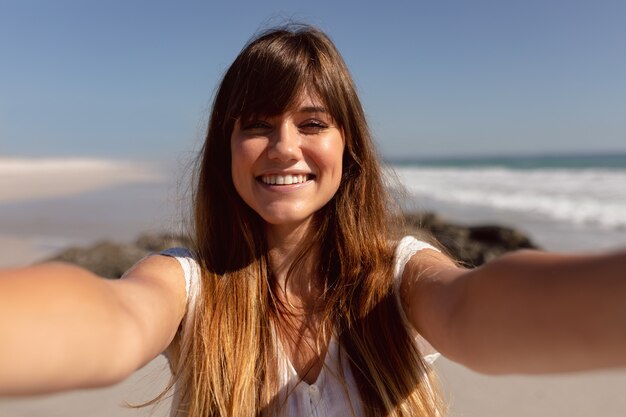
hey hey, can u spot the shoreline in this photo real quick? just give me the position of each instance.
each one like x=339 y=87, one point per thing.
x=33 y=230
x=32 y=179
x=549 y=234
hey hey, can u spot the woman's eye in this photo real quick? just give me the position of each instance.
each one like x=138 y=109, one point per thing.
x=313 y=126
x=255 y=125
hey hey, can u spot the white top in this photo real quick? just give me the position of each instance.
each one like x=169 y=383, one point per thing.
x=329 y=395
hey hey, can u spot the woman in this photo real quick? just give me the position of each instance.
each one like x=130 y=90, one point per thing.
x=300 y=297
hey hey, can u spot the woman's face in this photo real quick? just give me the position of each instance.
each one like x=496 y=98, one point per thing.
x=286 y=167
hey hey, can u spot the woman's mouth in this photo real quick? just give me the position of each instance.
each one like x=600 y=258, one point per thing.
x=285 y=179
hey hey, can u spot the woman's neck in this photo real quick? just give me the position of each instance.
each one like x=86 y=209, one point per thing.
x=301 y=286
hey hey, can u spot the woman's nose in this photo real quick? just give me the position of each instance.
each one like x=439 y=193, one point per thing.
x=284 y=143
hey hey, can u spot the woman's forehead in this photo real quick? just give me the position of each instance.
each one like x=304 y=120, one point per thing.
x=304 y=102
x=308 y=102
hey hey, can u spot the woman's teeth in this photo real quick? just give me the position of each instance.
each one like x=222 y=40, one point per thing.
x=284 y=179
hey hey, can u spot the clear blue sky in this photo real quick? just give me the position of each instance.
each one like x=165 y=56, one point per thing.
x=134 y=79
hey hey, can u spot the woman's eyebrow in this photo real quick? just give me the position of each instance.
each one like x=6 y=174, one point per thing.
x=313 y=109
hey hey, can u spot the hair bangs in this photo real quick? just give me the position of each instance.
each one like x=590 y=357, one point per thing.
x=270 y=81
x=277 y=71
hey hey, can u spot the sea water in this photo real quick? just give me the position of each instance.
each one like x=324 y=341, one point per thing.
x=564 y=201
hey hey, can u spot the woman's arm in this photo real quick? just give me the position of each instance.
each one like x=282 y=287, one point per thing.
x=61 y=327
x=526 y=312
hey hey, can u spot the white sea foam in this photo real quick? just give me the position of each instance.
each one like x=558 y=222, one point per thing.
x=580 y=196
x=23 y=179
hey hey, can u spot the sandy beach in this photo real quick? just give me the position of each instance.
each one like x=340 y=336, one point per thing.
x=32 y=229
x=469 y=394
x=28 y=179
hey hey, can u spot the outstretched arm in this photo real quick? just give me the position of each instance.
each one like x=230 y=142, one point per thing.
x=526 y=312
x=61 y=327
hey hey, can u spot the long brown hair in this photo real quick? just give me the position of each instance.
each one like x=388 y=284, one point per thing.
x=226 y=363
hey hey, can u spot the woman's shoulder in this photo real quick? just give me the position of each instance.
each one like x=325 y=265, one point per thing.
x=405 y=249
x=413 y=244
x=168 y=267
x=178 y=252
x=187 y=260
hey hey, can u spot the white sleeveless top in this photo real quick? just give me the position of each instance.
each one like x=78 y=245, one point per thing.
x=330 y=394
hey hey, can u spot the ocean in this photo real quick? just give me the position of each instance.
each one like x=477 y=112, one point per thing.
x=564 y=202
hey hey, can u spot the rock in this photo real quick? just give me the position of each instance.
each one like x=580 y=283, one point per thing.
x=156 y=242
x=106 y=259
x=111 y=260
x=470 y=245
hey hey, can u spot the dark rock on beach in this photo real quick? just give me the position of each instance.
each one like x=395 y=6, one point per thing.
x=111 y=260
x=470 y=245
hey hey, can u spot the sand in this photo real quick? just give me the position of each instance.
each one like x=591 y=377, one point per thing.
x=575 y=395
x=105 y=402
x=470 y=395
x=28 y=179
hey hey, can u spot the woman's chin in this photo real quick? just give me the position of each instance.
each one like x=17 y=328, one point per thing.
x=286 y=221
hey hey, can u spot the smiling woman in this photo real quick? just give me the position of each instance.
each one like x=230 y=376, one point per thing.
x=288 y=107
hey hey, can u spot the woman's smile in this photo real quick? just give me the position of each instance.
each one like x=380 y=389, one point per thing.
x=285 y=183
x=286 y=179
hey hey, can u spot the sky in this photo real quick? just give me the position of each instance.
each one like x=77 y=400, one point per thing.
x=135 y=79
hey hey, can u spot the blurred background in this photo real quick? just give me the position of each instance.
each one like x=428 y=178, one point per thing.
x=500 y=112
